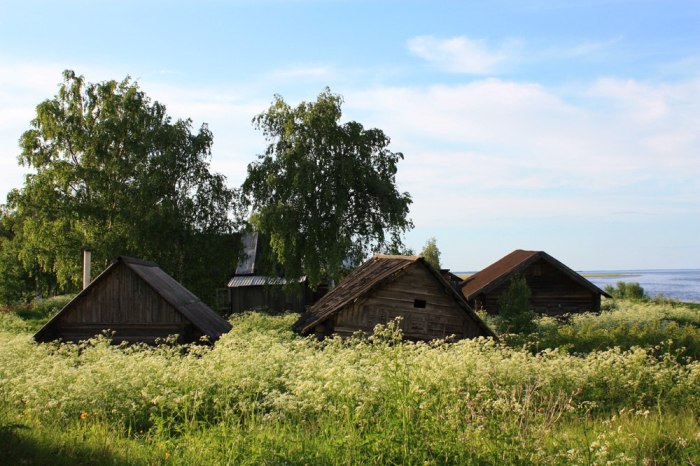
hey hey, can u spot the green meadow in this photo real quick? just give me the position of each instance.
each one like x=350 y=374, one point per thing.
x=621 y=387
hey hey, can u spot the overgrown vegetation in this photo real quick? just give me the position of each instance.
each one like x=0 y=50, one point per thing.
x=31 y=316
x=514 y=313
x=262 y=395
x=661 y=327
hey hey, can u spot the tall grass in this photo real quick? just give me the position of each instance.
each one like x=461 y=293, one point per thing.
x=262 y=395
x=659 y=326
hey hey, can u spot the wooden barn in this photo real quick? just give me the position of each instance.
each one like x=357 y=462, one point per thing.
x=140 y=303
x=555 y=288
x=254 y=286
x=386 y=287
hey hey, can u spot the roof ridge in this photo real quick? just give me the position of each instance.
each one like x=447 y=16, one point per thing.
x=396 y=257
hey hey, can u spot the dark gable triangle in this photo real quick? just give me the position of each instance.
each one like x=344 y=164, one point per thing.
x=140 y=302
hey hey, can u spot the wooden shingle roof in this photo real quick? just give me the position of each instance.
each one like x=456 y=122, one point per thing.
x=376 y=271
x=516 y=262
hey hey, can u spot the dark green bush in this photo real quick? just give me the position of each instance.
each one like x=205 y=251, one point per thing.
x=514 y=313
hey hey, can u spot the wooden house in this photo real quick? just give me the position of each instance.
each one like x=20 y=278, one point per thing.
x=386 y=287
x=139 y=302
x=555 y=288
x=256 y=286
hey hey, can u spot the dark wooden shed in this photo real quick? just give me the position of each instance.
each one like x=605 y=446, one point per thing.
x=140 y=303
x=556 y=289
x=256 y=287
x=386 y=287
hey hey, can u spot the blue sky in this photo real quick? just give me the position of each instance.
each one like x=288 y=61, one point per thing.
x=570 y=127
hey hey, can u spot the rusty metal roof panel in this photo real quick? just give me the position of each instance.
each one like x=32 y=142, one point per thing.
x=513 y=263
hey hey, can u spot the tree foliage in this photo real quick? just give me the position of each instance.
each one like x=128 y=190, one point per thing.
x=514 y=313
x=627 y=290
x=323 y=191
x=431 y=253
x=112 y=171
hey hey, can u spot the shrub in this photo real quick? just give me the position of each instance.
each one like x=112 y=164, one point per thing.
x=627 y=290
x=514 y=313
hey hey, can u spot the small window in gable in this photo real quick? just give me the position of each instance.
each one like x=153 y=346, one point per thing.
x=419 y=303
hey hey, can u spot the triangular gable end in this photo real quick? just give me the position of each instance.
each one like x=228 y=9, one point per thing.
x=514 y=263
x=139 y=307
x=388 y=285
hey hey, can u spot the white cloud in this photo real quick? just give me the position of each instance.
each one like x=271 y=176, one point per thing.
x=459 y=54
x=496 y=148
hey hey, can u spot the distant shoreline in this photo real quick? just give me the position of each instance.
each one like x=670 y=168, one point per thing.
x=464 y=275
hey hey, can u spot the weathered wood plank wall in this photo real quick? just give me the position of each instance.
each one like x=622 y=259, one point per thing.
x=427 y=311
x=126 y=305
x=553 y=292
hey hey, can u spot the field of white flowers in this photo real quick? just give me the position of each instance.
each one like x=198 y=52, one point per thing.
x=263 y=395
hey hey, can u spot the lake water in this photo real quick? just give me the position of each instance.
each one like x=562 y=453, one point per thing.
x=683 y=285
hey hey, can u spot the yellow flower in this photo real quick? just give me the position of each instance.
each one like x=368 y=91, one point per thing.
x=167 y=455
x=83 y=416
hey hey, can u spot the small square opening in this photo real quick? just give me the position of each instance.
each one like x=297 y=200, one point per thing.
x=419 y=303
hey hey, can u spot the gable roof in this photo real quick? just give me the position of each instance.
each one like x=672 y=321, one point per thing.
x=516 y=262
x=377 y=271
x=183 y=300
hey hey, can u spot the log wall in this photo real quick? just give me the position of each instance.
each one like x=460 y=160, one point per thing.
x=268 y=298
x=426 y=309
x=553 y=292
x=122 y=302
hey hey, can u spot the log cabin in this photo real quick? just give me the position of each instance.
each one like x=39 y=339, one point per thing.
x=386 y=287
x=556 y=289
x=137 y=301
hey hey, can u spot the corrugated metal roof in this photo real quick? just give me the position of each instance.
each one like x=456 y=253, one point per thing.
x=260 y=280
x=515 y=262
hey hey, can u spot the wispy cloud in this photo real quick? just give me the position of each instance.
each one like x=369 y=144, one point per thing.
x=460 y=54
x=478 y=148
x=589 y=47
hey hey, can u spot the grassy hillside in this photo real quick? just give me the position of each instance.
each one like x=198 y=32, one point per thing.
x=262 y=395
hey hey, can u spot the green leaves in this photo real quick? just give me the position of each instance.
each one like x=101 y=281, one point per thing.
x=324 y=192
x=431 y=253
x=514 y=313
